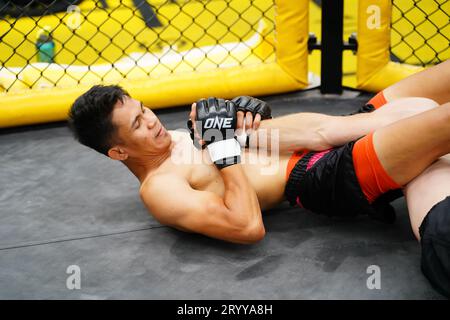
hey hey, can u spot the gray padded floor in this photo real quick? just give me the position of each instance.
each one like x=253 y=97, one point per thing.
x=62 y=204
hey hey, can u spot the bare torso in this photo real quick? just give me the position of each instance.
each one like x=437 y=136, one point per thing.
x=265 y=173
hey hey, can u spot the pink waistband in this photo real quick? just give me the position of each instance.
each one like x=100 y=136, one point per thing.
x=316 y=157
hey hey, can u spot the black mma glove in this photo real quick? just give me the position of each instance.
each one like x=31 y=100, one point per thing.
x=253 y=105
x=216 y=123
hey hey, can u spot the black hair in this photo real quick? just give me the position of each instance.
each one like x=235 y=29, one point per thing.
x=90 y=117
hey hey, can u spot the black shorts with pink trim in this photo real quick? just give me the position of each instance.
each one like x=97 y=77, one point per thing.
x=326 y=183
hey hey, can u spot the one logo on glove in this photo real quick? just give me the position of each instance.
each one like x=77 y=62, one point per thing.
x=219 y=123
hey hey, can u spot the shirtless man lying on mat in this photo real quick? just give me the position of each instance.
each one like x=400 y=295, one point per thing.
x=222 y=196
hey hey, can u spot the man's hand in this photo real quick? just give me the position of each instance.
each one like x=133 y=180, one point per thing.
x=254 y=110
x=251 y=109
x=215 y=124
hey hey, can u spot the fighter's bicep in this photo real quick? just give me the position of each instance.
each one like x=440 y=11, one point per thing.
x=175 y=203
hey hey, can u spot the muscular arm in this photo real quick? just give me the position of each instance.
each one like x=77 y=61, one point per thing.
x=314 y=131
x=236 y=217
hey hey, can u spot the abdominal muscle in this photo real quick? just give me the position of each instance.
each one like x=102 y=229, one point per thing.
x=265 y=173
x=267 y=176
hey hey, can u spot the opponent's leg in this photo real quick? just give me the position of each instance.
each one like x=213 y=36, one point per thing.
x=428 y=199
x=432 y=83
x=408 y=147
x=396 y=155
x=361 y=124
x=427 y=189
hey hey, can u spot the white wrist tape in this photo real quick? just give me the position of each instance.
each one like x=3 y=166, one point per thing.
x=241 y=135
x=224 y=149
x=242 y=139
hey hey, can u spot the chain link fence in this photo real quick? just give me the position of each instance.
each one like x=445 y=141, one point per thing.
x=45 y=43
x=420 y=31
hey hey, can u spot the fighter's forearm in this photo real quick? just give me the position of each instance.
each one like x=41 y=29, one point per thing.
x=294 y=132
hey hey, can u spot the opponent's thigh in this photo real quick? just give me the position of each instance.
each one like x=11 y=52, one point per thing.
x=426 y=190
x=407 y=147
x=432 y=83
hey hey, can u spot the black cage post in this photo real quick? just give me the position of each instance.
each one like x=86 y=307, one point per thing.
x=332 y=46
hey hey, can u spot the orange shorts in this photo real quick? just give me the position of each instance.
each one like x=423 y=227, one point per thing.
x=378 y=101
x=372 y=177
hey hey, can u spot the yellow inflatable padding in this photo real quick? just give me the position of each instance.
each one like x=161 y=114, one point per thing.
x=45 y=105
x=292 y=25
x=375 y=71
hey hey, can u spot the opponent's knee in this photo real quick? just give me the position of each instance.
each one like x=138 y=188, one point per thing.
x=435 y=242
x=420 y=103
x=428 y=103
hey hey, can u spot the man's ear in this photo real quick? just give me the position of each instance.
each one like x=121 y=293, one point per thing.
x=117 y=153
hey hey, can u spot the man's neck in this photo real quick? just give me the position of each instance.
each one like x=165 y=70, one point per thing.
x=145 y=165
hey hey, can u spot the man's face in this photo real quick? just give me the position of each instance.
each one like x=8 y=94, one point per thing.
x=139 y=130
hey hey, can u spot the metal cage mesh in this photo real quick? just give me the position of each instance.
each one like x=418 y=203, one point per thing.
x=127 y=39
